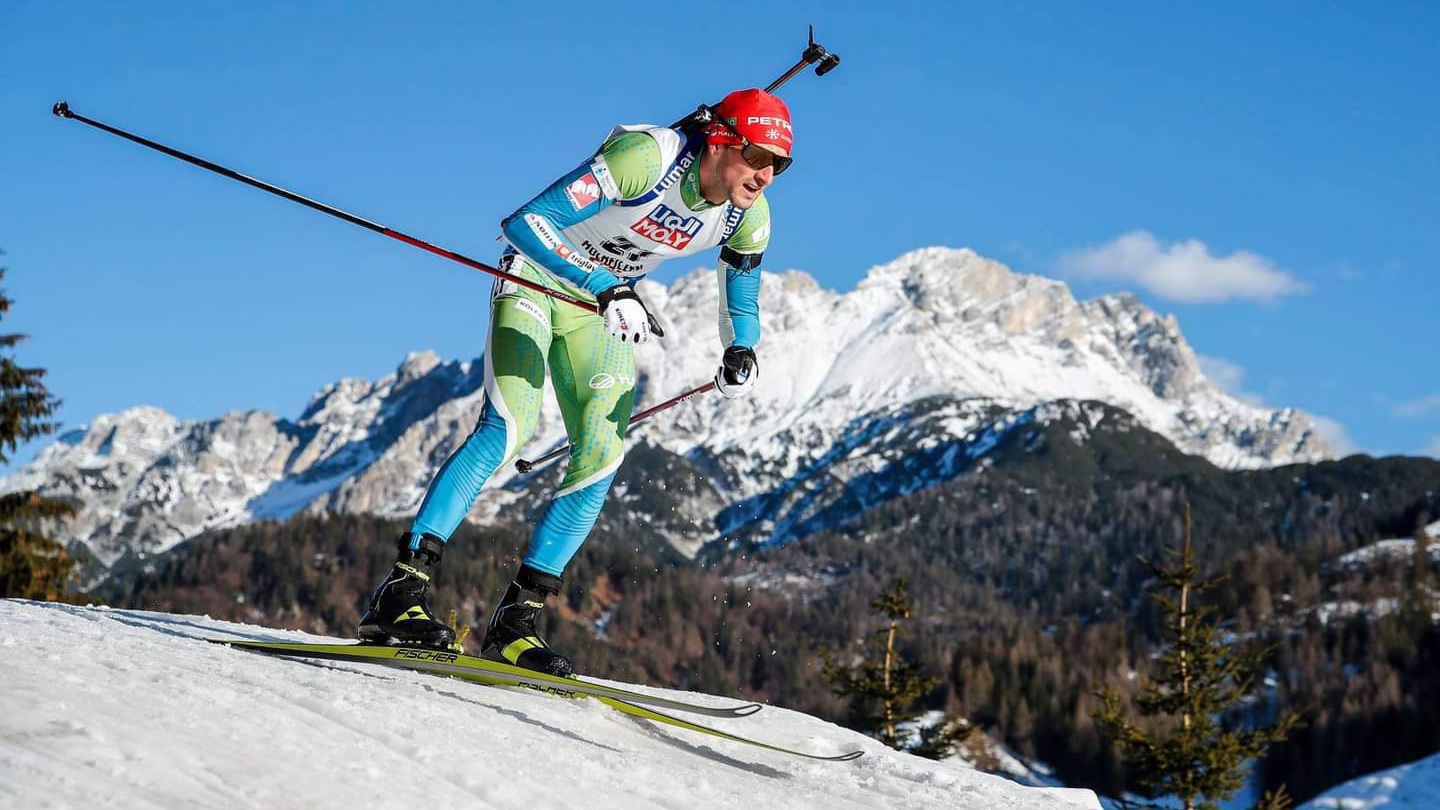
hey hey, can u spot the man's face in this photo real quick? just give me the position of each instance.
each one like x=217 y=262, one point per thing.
x=736 y=179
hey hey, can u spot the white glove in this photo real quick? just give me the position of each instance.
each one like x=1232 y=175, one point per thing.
x=738 y=372
x=626 y=316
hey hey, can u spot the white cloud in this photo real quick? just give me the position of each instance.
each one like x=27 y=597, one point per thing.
x=1336 y=434
x=1184 y=271
x=1418 y=408
x=1229 y=377
x=1433 y=448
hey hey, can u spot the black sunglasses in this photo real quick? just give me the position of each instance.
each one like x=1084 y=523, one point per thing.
x=756 y=156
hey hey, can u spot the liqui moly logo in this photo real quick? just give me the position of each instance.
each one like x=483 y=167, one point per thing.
x=668 y=228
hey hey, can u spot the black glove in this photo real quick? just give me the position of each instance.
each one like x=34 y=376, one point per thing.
x=737 y=373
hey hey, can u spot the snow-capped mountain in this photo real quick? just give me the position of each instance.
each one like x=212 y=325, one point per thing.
x=940 y=351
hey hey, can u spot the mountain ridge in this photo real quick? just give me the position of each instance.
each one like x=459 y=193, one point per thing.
x=935 y=322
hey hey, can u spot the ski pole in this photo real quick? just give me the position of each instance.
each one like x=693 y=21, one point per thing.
x=525 y=466
x=63 y=110
x=813 y=53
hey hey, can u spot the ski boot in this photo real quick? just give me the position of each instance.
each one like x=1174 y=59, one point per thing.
x=511 y=637
x=399 y=612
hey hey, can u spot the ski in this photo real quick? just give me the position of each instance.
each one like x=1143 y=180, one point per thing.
x=648 y=713
x=494 y=673
x=481 y=670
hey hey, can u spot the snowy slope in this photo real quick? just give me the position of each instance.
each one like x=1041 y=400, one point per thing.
x=111 y=708
x=1402 y=548
x=1416 y=786
x=935 y=324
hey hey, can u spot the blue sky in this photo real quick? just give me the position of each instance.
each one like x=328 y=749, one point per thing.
x=1286 y=154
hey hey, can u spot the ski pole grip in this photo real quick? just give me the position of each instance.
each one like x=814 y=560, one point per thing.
x=62 y=109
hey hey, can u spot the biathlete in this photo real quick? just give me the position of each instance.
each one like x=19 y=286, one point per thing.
x=649 y=194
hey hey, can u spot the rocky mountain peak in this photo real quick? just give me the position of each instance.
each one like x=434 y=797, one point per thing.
x=960 y=289
x=1151 y=345
x=841 y=375
x=417 y=365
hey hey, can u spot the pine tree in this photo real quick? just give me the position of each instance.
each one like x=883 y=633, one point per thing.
x=32 y=566
x=1277 y=799
x=1203 y=677
x=884 y=686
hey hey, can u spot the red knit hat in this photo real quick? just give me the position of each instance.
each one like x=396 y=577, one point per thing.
x=757 y=115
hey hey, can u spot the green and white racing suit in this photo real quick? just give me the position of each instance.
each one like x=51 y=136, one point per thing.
x=610 y=221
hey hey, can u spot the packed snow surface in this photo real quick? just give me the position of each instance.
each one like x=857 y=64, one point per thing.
x=110 y=708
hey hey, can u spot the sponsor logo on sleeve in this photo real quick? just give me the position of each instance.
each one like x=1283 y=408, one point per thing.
x=668 y=228
x=584 y=191
x=580 y=262
x=733 y=218
x=541 y=228
x=555 y=244
x=601 y=170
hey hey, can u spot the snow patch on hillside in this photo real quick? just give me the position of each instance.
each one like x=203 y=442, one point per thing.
x=1396 y=548
x=1415 y=785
